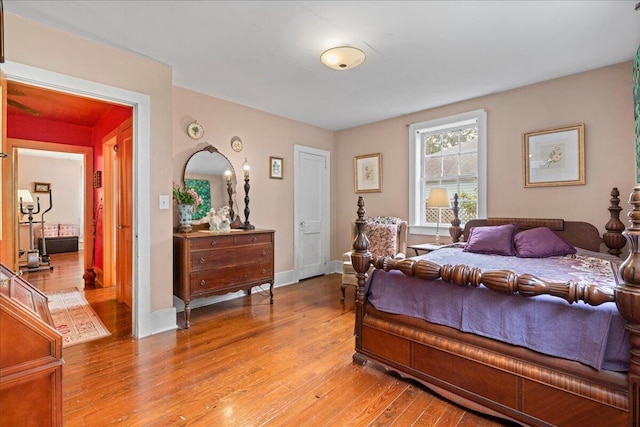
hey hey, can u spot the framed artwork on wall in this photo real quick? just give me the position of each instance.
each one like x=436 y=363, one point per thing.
x=554 y=157
x=276 y=167
x=368 y=173
x=41 y=187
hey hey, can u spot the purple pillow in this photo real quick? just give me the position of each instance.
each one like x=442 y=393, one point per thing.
x=493 y=240
x=541 y=242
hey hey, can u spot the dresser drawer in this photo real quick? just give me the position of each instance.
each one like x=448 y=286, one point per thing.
x=203 y=260
x=213 y=242
x=211 y=281
x=251 y=239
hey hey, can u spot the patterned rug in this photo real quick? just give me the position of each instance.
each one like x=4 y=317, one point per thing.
x=74 y=318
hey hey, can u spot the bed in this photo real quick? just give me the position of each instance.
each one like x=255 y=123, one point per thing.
x=558 y=347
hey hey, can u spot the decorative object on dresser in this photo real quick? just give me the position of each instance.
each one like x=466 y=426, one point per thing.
x=30 y=356
x=245 y=168
x=514 y=370
x=210 y=166
x=367 y=171
x=554 y=157
x=211 y=263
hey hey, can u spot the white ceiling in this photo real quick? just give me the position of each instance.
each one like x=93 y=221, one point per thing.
x=420 y=54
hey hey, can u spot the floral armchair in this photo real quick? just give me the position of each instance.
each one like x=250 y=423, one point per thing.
x=387 y=237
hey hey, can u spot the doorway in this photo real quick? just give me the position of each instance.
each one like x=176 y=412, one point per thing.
x=144 y=322
x=311 y=211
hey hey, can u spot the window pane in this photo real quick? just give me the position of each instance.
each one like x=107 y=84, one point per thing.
x=471 y=143
x=450 y=166
x=433 y=167
x=432 y=144
x=469 y=164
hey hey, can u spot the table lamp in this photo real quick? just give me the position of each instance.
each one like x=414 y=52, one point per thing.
x=438 y=198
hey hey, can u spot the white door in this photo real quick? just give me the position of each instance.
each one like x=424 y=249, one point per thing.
x=311 y=211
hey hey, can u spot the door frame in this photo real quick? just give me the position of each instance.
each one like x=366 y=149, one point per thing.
x=144 y=322
x=297 y=175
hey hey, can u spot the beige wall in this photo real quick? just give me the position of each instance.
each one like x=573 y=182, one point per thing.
x=30 y=43
x=263 y=135
x=602 y=99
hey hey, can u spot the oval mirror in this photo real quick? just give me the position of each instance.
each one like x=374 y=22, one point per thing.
x=212 y=176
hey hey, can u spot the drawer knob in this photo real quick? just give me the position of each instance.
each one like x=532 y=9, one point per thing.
x=255 y=239
x=201 y=260
x=203 y=282
x=264 y=270
x=263 y=253
x=213 y=243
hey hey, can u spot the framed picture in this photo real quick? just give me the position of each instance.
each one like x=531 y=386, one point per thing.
x=368 y=173
x=554 y=157
x=41 y=187
x=276 y=167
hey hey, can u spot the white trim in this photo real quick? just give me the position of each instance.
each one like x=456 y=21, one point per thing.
x=414 y=166
x=297 y=262
x=144 y=321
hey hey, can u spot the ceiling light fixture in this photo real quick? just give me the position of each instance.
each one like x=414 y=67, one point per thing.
x=342 y=58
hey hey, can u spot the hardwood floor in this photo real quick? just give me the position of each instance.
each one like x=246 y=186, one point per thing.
x=243 y=362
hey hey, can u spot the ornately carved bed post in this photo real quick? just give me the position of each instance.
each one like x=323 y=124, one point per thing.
x=613 y=238
x=628 y=302
x=360 y=259
x=455 y=231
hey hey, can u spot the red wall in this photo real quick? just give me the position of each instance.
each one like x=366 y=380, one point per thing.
x=36 y=129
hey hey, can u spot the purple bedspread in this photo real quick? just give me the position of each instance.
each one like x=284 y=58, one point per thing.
x=594 y=336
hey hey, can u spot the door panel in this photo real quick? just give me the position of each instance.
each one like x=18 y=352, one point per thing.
x=124 y=214
x=311 y=201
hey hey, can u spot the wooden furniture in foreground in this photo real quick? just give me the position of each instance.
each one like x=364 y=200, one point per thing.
x=30 y=356
x=497 y=378
x=213 y=263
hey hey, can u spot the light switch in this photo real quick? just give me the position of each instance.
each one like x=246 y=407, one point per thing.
x=163 y=202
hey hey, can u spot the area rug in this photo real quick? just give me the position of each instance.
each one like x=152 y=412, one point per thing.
x=74 y=318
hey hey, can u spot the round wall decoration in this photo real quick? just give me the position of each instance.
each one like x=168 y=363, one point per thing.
x=195 y=130
x=236 y=144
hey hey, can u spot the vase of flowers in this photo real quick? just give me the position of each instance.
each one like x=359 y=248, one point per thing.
x=186 y=199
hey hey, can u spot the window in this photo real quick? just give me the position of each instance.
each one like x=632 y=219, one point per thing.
x=447 y=153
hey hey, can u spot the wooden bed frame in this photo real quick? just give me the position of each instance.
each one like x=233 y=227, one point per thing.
x=499 y=379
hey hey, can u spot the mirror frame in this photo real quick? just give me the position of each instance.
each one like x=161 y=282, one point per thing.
x=230 y=187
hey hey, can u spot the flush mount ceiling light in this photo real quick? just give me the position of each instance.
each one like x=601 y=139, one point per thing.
x=342 y=58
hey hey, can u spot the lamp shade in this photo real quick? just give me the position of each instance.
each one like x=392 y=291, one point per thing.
x=438 y=198
x=25 y=196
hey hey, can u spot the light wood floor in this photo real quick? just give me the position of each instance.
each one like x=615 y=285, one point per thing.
x=243 y=362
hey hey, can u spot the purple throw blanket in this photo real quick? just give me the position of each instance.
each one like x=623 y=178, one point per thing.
x=594 y=336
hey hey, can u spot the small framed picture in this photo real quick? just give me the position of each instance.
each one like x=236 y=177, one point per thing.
x=368 y=173
x=41 y=187
x=554 y=157
x=276 y=167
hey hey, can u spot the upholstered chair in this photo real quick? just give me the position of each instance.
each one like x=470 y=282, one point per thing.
x=387 y=237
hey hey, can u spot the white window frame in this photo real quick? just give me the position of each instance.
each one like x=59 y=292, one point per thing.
x=416 y=202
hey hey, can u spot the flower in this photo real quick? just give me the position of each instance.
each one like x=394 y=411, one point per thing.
x=186 y=196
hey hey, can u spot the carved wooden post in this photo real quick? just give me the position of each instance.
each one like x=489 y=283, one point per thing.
x=628 y=302
x=455 y=231
x=613 y=238
x=360 y=259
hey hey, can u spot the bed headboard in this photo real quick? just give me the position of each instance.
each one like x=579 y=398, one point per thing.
x=576 y=233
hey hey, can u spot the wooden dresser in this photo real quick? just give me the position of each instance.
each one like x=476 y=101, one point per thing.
x=30 y=356
x=212 y=263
